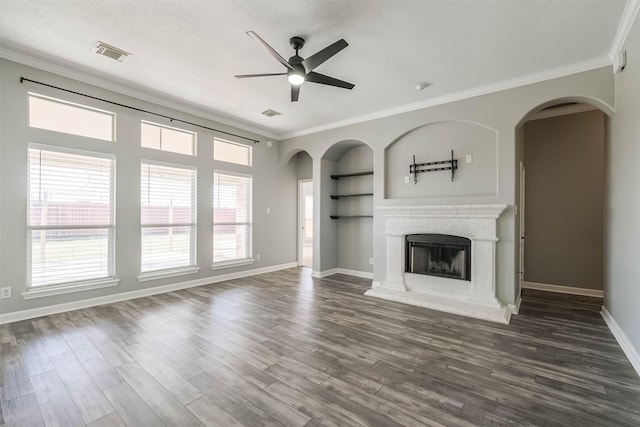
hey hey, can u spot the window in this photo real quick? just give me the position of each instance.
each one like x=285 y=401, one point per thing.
x=231 y=152
x=231 y=218
x=70 y=216
x=168 y=216
x=166 y=138
x=61 y=116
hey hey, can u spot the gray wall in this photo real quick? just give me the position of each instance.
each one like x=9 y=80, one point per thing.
x=622 y=284
x=355 y=235
x=304 y=165
x=274 y=235
x=564 y=161
x=502 y=112
x=434 y=142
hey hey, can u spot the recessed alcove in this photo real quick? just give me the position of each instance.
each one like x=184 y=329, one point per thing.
x=434 y=142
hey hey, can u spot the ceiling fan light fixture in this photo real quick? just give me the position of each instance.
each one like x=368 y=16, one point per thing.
x=295 y=78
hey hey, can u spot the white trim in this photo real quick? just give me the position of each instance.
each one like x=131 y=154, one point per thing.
x=31 y=60
x=542 y=76
x=355 y=273
x=561 y=111
x=231 y=264
x=624 y=27
x=515 y=308
x=629 y=350
x=375 y=284
x=325 y=273
x=597 y=293
x=123 y=296
x=48 y=291
x=163 y=274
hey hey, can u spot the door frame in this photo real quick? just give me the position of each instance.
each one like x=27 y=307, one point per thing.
x=521 y=240
x=301 y=218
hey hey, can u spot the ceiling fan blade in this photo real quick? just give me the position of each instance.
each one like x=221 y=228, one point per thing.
x=246 y=76
x=319 y=57
x=271 y=50
x=295 y=93
x=314 y=77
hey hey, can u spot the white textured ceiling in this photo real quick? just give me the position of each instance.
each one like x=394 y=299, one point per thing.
x=190 y=50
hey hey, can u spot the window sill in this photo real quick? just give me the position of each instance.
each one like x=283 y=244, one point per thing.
x=231 y=264
x=48 y=291
x=163 y=274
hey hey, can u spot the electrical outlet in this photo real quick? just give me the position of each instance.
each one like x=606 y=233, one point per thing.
x=258 y=257
x=406 y=179
x=469 y=158
x=5 y=293
x=371 y=261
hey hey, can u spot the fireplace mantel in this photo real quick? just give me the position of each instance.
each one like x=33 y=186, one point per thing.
x=476 y=298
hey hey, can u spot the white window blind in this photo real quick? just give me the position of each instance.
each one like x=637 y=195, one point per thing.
x=231 y=152
x=166 y=138
x=232 y=195
x=61 y=116
x=70 y=216
x=168 y=217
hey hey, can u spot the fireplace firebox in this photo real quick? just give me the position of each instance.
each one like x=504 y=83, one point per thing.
x=439 y=255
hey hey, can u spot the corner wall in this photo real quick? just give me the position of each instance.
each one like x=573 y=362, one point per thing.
x=622 y=285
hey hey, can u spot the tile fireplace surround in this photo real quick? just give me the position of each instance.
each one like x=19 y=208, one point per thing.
x=476 y=298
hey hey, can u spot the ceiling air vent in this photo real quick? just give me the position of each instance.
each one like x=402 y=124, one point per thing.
x=111 y=52
x=271 y=113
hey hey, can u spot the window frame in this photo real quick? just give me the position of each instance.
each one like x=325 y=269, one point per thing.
x=226 y=141
x=193 y=247
x=248 y=259
x=74 y=104
x=194 y=143
x=84 y=284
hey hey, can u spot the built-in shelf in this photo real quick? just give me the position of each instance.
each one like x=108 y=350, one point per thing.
x=337 y=196
x=347 y=175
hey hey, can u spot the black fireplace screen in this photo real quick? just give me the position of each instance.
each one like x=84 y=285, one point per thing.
x=439 y=255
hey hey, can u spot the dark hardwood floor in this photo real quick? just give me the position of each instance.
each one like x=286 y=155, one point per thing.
x=285 y=349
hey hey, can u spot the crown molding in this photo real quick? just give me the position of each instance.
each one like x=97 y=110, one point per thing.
x=561 y=111
x=554 y=73
x=66 y=71
x=624 y=27
x=32 y=60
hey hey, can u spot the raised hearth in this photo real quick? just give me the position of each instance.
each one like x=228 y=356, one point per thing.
x=475 y=297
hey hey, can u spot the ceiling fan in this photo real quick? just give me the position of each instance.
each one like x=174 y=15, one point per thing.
x=299 y=69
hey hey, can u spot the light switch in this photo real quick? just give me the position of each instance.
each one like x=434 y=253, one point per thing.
x=268 y=210
x=406 y=179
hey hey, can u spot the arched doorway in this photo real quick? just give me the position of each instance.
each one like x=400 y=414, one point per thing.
x=560 y=186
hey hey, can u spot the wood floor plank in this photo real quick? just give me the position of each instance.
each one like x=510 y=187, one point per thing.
x=23 y=411
x=130 y=407
x=168 y=408
x=284 y=348
x=211 y=414
x=54 y=401
x=87 y=397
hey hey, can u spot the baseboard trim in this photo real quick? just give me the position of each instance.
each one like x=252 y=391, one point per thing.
x=17 y=316
x=356 y=273
x=598 y=293
x=628 y=348
x=515 y=308
x=325 y=273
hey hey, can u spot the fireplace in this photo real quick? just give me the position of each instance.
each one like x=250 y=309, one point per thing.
x=439 y=255
x=474 y=294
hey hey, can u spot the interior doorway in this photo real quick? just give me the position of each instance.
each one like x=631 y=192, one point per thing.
x=305 y=223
